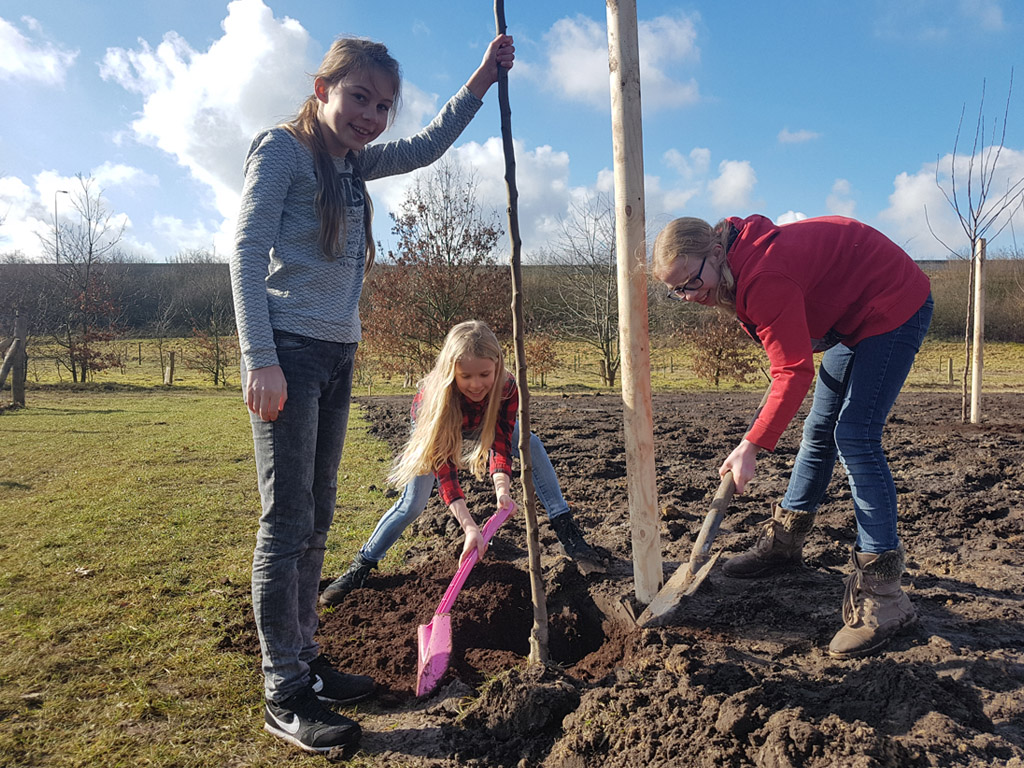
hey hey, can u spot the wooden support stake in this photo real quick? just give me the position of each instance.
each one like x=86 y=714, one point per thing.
x=634 y=341
x=978 y=345
x=169 y=371
x=539 y=633
x=19 y=361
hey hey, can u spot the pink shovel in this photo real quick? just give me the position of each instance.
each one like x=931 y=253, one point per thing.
x=435 y=638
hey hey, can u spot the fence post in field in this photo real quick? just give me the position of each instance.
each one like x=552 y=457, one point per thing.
x=951 y=371
x=16 y=362
x=631 y=256
x=169 y=370
x=978 y=352
x=539 y=631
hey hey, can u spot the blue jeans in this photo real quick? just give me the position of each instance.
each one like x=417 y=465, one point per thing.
x=297 y=460
x=855 y=391
x=416 y=494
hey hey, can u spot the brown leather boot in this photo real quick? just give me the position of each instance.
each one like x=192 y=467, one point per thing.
x=779 y=546
x=875 y=607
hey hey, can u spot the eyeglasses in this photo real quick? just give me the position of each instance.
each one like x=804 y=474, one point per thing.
x=678 y=292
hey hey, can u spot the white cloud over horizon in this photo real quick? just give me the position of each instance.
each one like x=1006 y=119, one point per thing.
x=28 y=60
x=787 y=136
x=577 y=61
x=919 y=216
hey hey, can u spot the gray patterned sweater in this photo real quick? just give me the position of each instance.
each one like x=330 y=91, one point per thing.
x=279 y=278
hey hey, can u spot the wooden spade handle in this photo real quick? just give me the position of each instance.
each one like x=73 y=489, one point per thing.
x=712 y=521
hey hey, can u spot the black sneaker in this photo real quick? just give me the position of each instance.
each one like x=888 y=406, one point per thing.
x=353 y=578
x=571 y=538
x=302 y=720
x=338 y=687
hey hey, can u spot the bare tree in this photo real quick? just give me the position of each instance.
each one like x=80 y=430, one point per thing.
x=586 y=307
x=83 y=307
x=983 y=210
x=214 y=348
x=443 y=272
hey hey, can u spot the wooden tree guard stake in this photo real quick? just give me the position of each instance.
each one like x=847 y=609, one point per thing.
x=539 y=633
x=15 y=362
x=978 y=345
x=634 y=341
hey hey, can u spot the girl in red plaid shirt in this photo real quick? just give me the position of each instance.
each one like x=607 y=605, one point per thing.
x=467 y=394
x=464 y=416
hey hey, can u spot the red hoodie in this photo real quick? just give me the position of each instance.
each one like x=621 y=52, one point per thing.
x=806 y=286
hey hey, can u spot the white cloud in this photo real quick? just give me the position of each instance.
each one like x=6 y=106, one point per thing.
x=913 y=193
x=665 y=203
x=789 y=217
x=578 y=60
x=696 y=164
x=665 y=43
x=30 y=60
x=787 y=136
x=120 y=175
x=542 y=181
x=936 y=21
x=577 y=67
x=987 y=13
x=202 y=108
x=28 y=212
x=22 y=217
x=838 y=202
x=196 y=235
x=732 y=188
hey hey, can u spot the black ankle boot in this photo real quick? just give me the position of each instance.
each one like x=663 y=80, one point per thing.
x=571 y=538
x=353 y=578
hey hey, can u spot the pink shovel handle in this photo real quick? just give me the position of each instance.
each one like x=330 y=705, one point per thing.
x=492 y=525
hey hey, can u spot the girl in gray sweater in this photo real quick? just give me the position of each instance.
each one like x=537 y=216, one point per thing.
x=302 y=246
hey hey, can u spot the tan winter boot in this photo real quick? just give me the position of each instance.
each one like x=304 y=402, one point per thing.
x=779 y=546
x=875 y=607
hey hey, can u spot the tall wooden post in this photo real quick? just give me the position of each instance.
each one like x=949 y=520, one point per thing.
x=14 y=353
x=631 y=255
x=20 y=370
x=978 y=345
x=539 y=633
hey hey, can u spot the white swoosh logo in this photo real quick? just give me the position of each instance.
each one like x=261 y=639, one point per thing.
x=292 y=727
x=318 y=683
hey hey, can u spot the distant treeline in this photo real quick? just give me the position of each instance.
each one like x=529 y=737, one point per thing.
x=174 y=299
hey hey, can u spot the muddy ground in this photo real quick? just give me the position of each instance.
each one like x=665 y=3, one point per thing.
x=739 y=676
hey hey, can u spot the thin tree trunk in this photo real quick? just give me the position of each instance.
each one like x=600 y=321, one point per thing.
x=968 y=328
x=539 y=633
x=978 y=358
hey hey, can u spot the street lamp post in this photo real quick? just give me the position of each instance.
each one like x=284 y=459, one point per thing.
x=56 y=225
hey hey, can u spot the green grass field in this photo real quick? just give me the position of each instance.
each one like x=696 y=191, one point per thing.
x=127 y=522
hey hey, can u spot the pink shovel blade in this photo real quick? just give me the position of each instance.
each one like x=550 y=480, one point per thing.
x=435 y=648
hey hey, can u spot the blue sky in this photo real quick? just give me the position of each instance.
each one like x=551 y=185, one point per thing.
x=790 y=109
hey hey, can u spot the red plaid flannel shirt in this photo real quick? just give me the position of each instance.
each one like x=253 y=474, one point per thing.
x=472 y=416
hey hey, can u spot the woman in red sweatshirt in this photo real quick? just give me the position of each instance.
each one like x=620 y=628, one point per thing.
x=831 y=285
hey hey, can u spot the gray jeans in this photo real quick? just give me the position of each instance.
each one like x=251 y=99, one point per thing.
x=297 y=459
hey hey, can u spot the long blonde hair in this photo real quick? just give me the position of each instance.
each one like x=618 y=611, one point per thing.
x=437 y=437
x=695 y=239
x=346 y=56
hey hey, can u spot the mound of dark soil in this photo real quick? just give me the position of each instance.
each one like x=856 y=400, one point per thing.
x=739 y=675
